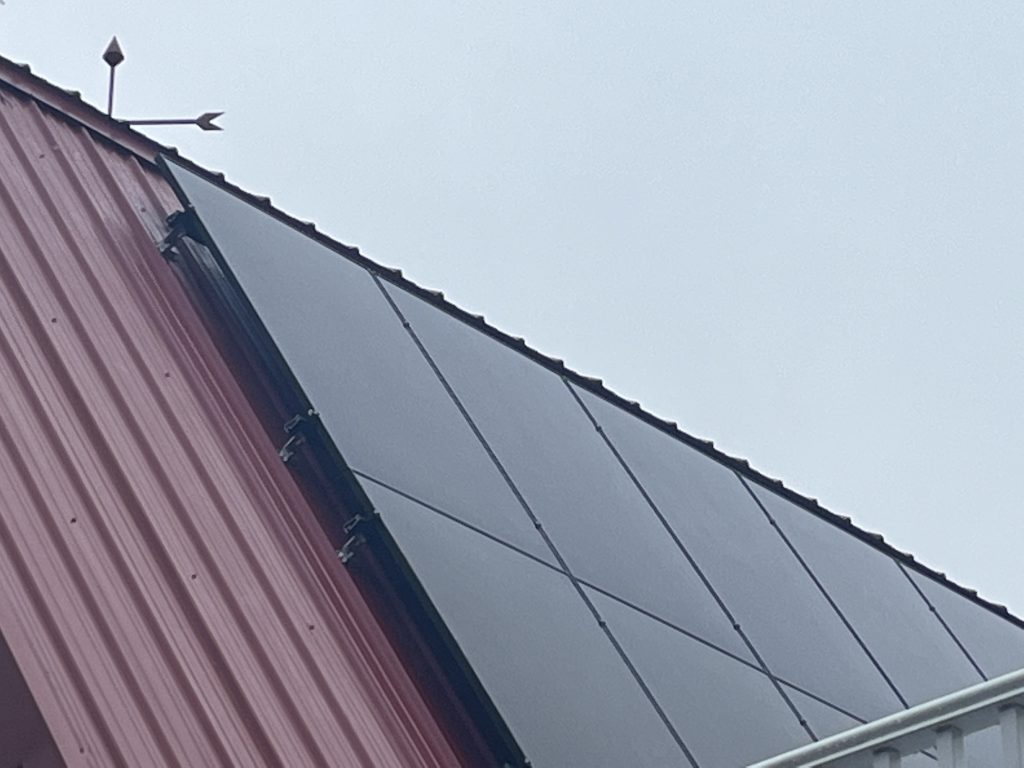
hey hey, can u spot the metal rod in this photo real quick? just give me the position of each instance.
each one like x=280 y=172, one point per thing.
x=204 y=121
x=176 y=121
x=110 y=95
x=1011 y=724
x=949 y=743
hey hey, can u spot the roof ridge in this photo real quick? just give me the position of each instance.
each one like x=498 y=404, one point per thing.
x=71 y=104
x=596 y=386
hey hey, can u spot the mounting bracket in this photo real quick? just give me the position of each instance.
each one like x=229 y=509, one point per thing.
x=182 y=223
x=295 y=428
x=355 y=539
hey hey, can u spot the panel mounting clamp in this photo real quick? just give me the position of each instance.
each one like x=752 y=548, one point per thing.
x=295 y=428
x=182 y=223
x=355 y=538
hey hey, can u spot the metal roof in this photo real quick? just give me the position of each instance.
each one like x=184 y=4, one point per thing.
x=164 y=587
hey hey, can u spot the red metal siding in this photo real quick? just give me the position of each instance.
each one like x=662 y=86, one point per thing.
x=163 y=585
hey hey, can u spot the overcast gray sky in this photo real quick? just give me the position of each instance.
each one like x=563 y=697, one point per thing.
x=795 y=228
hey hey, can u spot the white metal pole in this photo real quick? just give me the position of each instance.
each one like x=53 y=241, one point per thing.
x=886 y=758
x=1011 y=724
x=949 y=743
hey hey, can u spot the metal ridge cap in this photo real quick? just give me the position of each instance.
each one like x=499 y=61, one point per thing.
x=912 y=729
x=70 y=104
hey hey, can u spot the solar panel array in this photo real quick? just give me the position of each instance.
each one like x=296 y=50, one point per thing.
x=623 y=598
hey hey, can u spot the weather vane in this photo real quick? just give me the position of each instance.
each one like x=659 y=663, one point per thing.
x=114 y=56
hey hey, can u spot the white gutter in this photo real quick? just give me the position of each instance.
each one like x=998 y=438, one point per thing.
x=938 y=725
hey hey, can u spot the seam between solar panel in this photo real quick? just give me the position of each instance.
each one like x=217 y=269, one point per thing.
x=935 y=612
x=540 y=528
x=821 y=700
x=821 y=588
x=693 y=563
x=610 y=595
x=518 y=550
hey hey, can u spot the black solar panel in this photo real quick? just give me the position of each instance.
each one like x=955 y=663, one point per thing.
x=566 y=477
x=560 y=685
x=623 y=598
x=858 y=579
x=781 y=612
x=995 y=645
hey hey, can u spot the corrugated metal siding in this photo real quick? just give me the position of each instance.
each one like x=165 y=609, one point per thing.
x=162 y=583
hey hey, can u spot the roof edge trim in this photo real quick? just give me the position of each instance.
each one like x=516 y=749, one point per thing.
x=71 y=105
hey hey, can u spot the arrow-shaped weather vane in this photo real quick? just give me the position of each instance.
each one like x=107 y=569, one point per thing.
x=114 y=56
x=204 y=121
